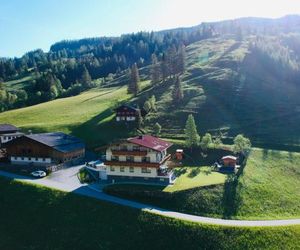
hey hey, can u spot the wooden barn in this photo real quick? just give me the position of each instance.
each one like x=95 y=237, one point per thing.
x=8 y=132
x=44 y=149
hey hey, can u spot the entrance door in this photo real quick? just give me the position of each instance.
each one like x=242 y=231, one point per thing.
x=103 y=175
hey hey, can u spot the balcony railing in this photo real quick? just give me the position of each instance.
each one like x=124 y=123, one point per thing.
x=129 y=152
x=137 y=164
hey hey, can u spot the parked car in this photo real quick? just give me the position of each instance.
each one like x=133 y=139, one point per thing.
x=38 y=174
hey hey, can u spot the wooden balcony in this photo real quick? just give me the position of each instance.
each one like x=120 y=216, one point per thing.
x=137 y=164
x=129 y=153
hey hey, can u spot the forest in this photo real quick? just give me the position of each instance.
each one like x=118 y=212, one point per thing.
x=71 y=67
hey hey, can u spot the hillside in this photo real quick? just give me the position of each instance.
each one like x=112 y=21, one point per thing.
x=266 y=189
x=225 y=87
x=67 y=221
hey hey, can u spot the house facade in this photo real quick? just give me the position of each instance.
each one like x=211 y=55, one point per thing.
x=8 y=132
x=126 y=113
x=44 y=149
x=143 y=158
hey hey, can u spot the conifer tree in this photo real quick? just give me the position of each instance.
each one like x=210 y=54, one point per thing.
x=152 y=101
x=157 y=129
x=192 y=137
x=164 y=67
x=181 y=60
x=134 y=84
x=155 y=70
x=177 y=93
x=86 y=79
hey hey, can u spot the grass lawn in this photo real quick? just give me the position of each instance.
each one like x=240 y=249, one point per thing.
x=268 y=188
x=192 y=177
x=39 y=218
x=88 y=115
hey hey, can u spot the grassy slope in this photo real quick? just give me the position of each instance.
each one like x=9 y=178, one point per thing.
x=40 y=218
x=267 y=188
x=88 y=115
x=224 y=87
x=18 y=84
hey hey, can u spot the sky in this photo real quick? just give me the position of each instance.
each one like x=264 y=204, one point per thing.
x=30 y=24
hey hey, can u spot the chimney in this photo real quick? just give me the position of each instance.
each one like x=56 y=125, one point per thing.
x=141 y=137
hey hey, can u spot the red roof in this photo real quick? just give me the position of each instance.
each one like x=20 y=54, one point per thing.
x=229 y=157
x=151 y=142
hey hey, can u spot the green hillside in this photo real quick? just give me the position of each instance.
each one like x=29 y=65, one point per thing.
x=41 y=218
x=267 y=188
x=225 y=86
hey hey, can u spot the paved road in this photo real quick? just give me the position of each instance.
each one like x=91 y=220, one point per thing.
x=67 y=181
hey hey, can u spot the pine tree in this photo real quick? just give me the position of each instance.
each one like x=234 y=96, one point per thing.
x=140 y=120
x=172 y=60
x=157 y=129
x=134 y=84
x=177 y=93
x=147 y=106
x=192 y=137
x=164 y=67
x=86 y=79
x=155 y=70
x=181 y=60
x=152 y=101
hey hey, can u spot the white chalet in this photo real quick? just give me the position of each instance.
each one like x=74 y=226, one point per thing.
x=141 y=158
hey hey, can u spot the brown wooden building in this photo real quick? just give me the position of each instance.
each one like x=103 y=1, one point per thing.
x=8 y=132
x=44 y=149
x=127 y=113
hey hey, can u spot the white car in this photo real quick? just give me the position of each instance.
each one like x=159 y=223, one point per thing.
x=39 y=174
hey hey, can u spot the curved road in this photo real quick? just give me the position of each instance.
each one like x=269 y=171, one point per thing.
x=66 y=180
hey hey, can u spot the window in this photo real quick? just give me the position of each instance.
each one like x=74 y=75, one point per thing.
x=145 y=159
x=122 y=169
x=44 y=159
x=16 y=158
x=115 y=158
x=123 y=147
x=146 y=170
x=36 y=159
x=112 y=169
x=136 y=148
x=131 y=169
x=22 y=158
x=29 y=159
x=129 y=158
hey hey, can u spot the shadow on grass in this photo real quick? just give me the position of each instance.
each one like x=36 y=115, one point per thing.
x=102 y=129
x=231 y=196
x=179 y=172
x=195 y=171
x=231 y=199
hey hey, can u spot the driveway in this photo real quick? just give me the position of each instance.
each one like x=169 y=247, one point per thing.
x=66 y=180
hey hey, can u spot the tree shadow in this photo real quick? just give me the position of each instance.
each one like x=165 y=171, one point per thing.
x=194 y=172
x=231 y=198
x=102 y=129
x=180 y=171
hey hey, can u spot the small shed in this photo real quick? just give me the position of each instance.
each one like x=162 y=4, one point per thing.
x=229 y=161
x=179 y=154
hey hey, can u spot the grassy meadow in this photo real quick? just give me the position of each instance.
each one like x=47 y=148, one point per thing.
x=89 y=115
x=267 y=188
x=35 y=217
x=219 y=89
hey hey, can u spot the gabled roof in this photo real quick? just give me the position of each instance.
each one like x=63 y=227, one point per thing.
x=127 y=107
x=151 y=142
x=231 y=157
x=8 y=128
x=58 y=140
